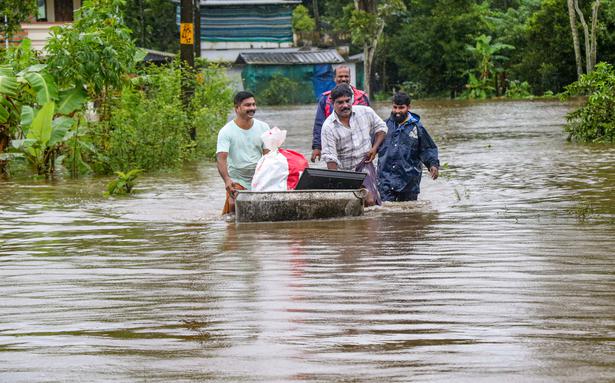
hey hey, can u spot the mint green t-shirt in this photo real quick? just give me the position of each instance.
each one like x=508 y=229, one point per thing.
x=244 y=148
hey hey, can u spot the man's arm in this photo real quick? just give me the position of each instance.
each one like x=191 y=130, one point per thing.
x=222 y=163
x=428 y=152
x=316 y=131
x=378 y=130
x=378 y=139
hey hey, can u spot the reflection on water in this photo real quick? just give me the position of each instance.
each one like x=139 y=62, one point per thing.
x=503 y=270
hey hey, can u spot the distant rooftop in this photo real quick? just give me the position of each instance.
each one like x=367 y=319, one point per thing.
x=285 y=58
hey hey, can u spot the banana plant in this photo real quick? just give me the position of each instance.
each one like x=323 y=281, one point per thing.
x=37 y=129
x=9 y=87
x=43 y=133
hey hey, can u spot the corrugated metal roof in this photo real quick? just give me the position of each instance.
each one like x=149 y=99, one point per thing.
x=289 y=58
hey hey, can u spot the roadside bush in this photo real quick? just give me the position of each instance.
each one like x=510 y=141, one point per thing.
x=148 y=128
x=595 y=121
x=209 y=107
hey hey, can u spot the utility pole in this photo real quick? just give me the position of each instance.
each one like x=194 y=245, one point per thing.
x=186 y=32
x=197 y=28
x=186 y=51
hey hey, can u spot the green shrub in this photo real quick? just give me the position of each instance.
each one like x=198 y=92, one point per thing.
x=301 y=20
x=123 y=184
x=517 y=90
x=141 y=121
x=148 y=127
x=594 y=121
x=96 y=51
x=477 y=88
x=209 y=107
x=21 y=56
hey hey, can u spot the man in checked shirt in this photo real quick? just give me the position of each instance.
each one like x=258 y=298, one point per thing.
x=350 y=139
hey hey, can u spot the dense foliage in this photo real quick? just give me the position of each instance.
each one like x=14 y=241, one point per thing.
x=149 y=126
x=87 y=107
x=13 y=13
x=595 y=121
x=301 y=20
x=425 y=46
x=153 y=23
x=96 y=51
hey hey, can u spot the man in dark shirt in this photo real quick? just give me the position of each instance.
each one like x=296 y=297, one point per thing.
x=406 y=148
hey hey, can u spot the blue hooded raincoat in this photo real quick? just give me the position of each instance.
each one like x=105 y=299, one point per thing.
x=406 y=147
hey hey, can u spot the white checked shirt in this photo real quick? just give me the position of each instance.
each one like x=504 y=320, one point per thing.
x=348 y=146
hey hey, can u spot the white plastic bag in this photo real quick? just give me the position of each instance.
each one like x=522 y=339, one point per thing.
x=272 y=169
x=279 y=169
x=271 y=173
x=273 y=138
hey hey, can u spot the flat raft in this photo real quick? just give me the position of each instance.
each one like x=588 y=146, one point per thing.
x=295 y=205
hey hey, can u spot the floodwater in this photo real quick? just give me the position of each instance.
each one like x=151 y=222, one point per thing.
x=504 y=270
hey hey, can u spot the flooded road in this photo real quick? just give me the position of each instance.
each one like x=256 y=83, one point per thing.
x=504 y=270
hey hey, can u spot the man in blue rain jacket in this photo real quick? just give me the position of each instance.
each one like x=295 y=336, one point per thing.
x=406 y=147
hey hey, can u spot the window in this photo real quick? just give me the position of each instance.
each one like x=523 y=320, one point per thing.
x=42 y=10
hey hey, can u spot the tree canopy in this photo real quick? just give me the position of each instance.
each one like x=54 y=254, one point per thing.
x=425 y=44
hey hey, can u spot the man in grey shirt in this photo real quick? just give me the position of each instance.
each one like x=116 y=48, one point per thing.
x=351 y=136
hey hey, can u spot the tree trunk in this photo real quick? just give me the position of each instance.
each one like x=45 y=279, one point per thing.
x=594 y=39
x=142 y=23
x=575 y=38
x=588 y=66
x=367 y=64
x=316 y=21
x=384 y=75
x=369 y=48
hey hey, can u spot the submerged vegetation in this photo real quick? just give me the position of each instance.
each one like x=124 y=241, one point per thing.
x=123 y=184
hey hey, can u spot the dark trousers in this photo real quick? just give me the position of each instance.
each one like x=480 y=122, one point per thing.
x=398 y=196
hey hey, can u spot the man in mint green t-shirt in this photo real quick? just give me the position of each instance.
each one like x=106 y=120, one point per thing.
x=239 y=148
